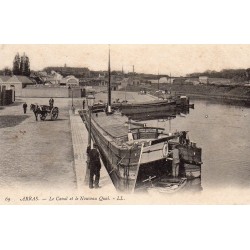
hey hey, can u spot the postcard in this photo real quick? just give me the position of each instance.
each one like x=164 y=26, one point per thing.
x=124 y=124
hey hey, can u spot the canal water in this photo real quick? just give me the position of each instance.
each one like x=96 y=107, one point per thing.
x=223 y=133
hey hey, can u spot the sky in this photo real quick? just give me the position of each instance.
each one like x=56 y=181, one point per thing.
x=178 y=60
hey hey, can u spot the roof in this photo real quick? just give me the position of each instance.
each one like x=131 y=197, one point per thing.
x=51 y=78
x=19 y=79
x=24 y=79
x=14 y=79
x=5 y=78
x=68 y=78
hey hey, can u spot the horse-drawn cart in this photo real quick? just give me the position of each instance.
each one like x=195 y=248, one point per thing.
x=48 y=111
x=45 y=111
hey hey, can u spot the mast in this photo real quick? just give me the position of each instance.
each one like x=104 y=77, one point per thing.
x=170 y=84
x=109 y=85
x=125 y=94
x=158 y=86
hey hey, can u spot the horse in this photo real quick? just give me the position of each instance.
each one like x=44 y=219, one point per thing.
x=36 y=109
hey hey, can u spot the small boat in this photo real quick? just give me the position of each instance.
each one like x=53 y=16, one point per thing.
x=192 y=171
x=146 y=116
x=147 y=107
x=167 y=185
x=182 y=101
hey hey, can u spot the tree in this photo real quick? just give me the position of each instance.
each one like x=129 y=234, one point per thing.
x=16 y=65
x=25 y=66
x=248 y=74
x=22 y=64
x=7 y=71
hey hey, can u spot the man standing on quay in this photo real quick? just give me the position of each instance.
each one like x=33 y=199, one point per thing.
x=94 y=167
x=24 y=107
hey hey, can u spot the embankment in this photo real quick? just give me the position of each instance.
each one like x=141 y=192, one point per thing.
x=222 y=92
x=210 y=91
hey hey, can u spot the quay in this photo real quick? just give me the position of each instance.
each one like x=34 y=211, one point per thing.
x=80 y=143
x=48 y=156
x=45 y=156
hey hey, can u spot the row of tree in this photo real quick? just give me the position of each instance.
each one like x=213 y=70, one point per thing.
x=238 y=75
x=21 y=65
x=6 y=72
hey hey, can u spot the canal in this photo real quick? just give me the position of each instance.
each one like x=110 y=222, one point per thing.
x=223 y=133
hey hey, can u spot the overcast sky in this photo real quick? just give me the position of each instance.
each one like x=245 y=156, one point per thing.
x=175 y=59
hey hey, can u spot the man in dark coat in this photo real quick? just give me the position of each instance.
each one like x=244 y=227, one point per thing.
x=36 y=111
x=51 y=102
x=94 y=167
x=24 y=107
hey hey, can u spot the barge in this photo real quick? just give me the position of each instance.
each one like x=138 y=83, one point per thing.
x=132 y=153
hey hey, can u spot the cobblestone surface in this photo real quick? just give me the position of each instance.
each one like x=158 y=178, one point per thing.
x=37 y=155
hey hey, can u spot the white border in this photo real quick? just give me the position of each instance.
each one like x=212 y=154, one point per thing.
x=122 y=22
x=110 y=21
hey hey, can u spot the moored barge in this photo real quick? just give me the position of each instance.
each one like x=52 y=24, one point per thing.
x=133 y=153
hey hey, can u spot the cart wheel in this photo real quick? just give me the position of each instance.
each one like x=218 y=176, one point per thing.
x=54 y=113
x=43 y=117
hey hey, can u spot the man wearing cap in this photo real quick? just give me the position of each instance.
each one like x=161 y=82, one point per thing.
x=94 y=167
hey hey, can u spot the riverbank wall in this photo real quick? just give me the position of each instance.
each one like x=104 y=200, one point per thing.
x=202 y=91
x=222 y=92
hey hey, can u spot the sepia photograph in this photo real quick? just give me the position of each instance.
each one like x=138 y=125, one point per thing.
x=124 y=124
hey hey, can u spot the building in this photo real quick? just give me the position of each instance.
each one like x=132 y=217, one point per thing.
x=203 y=79
x=163 y=80
x=69 y=81
x=7 y=96
x=16 y=82
x=101 y=82
x=192 y=81
x=53 y=78
x=179 y=80
x=67 y=71
x=220 y=81
x=129 y=81
x=135 y=82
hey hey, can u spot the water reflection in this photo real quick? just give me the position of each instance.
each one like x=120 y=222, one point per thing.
x=194 y=185
x=172 y=186
x=160 y=115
